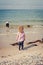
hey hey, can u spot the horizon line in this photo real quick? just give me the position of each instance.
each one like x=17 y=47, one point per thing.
x=20 y=9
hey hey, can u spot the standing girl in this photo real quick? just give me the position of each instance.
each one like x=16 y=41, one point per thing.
x=21 y=37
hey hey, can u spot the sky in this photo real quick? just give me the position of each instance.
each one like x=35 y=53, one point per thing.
x=21 y=4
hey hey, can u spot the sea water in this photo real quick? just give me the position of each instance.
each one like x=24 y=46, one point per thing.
x=21 y=16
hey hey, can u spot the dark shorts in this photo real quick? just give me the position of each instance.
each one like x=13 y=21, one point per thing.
x=20 y=43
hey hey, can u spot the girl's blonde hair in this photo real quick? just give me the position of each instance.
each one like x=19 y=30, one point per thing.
x=20 y=28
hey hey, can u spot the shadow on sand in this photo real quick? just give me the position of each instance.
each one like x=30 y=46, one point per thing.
x=40 y=41
x=35 y=41
x=32 y=45
x=14 y=44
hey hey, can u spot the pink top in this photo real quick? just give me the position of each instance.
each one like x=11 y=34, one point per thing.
x=20 y=36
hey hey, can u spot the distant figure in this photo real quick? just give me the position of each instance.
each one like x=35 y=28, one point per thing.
x=21 y=37
x=7 y=24
x=28 y=26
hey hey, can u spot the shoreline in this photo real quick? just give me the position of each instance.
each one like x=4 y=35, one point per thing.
x=25 y=25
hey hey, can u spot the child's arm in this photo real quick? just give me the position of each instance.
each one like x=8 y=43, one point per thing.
x=17 y=37
x=24 y=36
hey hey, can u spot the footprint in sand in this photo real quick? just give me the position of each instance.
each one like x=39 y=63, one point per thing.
x=3 y=56
x=9 y=55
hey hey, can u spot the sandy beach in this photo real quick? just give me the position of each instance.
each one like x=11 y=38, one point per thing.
x=31 y=55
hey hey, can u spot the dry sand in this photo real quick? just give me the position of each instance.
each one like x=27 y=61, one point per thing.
x=31 y=55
